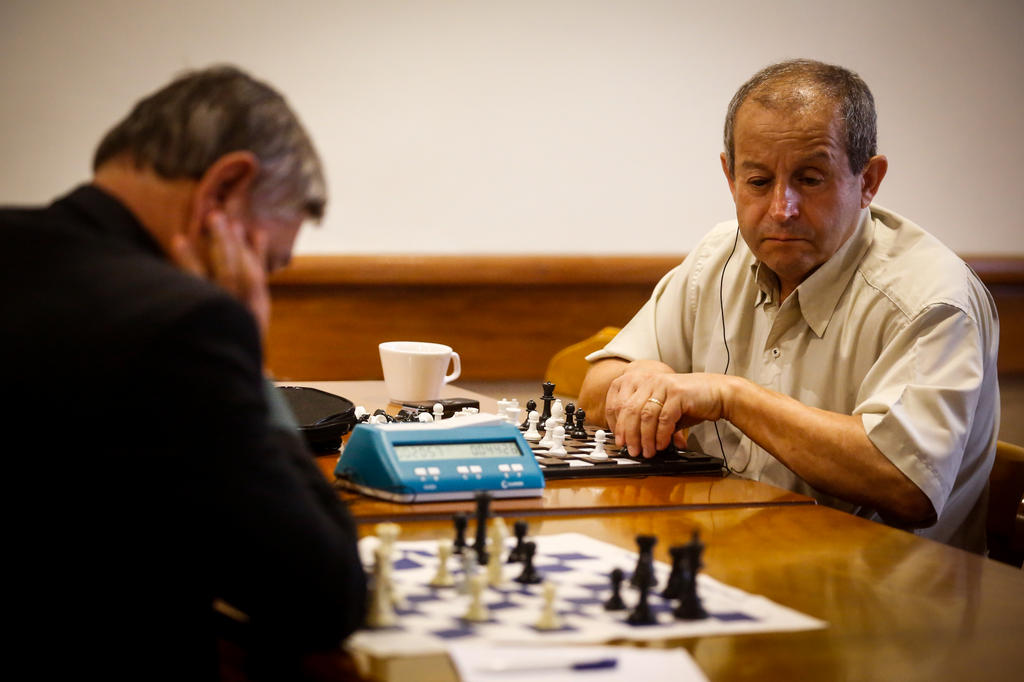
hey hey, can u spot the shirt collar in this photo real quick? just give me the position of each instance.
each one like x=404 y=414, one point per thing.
x=818 y=295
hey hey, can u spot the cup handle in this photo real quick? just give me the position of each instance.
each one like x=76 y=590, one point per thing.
x=456 y=371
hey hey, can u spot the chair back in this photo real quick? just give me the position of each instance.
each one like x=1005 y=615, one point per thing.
x=568 y=366
x=1006 y=505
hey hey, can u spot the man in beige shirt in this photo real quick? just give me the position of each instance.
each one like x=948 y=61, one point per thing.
x=837 y=349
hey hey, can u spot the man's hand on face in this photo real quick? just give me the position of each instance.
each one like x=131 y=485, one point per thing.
x=227 y=254
x=650 y=405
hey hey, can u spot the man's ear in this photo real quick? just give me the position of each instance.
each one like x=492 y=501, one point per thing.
x=224 y=187
x=871 y=179
x=728 y=176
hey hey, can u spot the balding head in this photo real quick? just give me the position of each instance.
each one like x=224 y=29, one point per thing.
x=803 y=84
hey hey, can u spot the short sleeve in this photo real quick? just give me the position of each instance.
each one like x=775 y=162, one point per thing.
x=919 y=400
x=656 y=331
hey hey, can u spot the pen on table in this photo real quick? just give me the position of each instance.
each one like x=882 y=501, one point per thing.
x=580 y=666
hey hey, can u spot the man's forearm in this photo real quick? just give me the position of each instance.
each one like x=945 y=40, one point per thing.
x=594 y=390
x=830 y=451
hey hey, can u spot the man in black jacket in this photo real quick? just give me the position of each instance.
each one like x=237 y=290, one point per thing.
x=154 y=480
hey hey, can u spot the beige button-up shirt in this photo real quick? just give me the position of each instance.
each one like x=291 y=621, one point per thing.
x=894 y=328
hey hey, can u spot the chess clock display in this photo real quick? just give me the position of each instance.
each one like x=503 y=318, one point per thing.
x=449 y=459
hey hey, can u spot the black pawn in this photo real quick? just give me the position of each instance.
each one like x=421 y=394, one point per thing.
x=644 y=562
x=531 y=405
x=518 y=554
x=483 y=512
x=569 y=410
x=461 y=521
x=529 y=576
x=642 y=614
x=615 y=602
x=579 y=431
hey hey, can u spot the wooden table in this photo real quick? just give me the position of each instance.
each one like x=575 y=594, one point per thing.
x=898 y=607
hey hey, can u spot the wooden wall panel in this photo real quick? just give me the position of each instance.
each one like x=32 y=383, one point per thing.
x=505 y=315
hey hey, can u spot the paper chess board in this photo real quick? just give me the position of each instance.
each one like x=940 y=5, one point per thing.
x=430 y=619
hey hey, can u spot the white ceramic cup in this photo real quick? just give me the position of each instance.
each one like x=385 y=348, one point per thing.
x=415 y=371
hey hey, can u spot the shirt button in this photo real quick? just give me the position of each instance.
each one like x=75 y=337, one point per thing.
x=776 y=353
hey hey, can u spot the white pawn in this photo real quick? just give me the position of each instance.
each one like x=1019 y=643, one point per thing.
x=532 y=434
x=387 y=533
x=425 y=418
x=549 y=619
x=382 y=612
x=438 y=412
x=549 y=433
x=468 y=569
x=496 y=559
x=557 y=448
x=599 y=451
x=477 y=612
x=443 y=578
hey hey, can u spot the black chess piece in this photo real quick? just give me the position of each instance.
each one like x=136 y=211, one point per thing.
x=579 y=431
x=674 y=587
x=644 y=561
x=530 y=575
x=569 y=410
x=690 y=606
x=615 y=602
x=642 y=614
x=518 y=554
x=483 y=512
x=531 y=405
x=547 y=398
x=461 y=521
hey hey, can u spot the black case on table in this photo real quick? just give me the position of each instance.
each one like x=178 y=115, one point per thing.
x=323 y=417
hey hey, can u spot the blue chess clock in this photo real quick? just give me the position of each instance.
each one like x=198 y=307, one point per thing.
x=445 y=460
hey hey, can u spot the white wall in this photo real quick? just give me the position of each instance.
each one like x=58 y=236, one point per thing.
x=538 y=126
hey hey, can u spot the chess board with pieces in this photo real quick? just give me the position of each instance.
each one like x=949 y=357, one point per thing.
x=566 y=447
x=581 y=451
x=555 y=589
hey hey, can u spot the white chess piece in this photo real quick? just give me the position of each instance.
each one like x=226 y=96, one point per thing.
x=468 y=569
x=425 y=418
x=532 y=434
x=443 y=577
x=599 y=451
x=495 y=570
x=549 y=433
x=496 y=559
x=381 y=613
x=477 y=612
x=512 y=412
x=360 y=411
x=557 y=448
x=549 y=619
x=558 y=412
x=438 y=412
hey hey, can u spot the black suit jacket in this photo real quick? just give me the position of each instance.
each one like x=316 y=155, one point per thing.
x=144 y=478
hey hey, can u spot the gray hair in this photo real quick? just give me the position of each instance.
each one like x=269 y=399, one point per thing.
x=777 y=86
x=182 y=129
